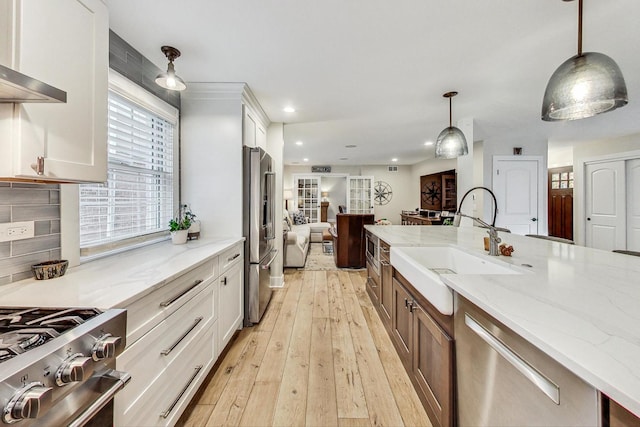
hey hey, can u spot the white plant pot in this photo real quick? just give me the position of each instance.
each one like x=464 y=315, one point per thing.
x=179 y=237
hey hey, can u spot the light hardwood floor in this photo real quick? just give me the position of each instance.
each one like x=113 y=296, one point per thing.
x=319 y=357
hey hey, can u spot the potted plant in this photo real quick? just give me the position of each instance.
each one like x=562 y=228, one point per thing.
x=179 y=226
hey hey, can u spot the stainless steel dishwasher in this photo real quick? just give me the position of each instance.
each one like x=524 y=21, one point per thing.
x=503 y=380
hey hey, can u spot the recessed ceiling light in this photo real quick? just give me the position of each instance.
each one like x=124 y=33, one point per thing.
x=350 y=146
x=298 y=142
x=428 y=143
x=305 y=160
x=394 y=159
x=344 y=158
x=289 y=110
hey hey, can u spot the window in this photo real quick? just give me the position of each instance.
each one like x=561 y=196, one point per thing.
x=138 y=200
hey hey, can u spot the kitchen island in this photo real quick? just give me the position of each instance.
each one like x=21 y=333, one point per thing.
x=580 y=306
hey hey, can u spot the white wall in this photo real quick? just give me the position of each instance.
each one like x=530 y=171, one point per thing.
x=337 y=189
x=275 y=148
x=400 y=182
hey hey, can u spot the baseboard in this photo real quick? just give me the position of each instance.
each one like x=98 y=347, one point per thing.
x=276 y=282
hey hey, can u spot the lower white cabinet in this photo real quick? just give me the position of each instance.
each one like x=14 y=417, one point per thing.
x=175 y=334
x=161 y=381
x=231 y=309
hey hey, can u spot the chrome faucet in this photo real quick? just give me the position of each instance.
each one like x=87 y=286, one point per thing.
x=494 y=240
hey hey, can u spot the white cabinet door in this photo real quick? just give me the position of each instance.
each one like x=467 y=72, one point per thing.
x=249 y=128
x=230 y=302
x=633 y=205
x=64 y=43
x=605 y=205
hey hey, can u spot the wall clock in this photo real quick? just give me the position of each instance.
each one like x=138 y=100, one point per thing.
x=382 y=193
x=431 y=193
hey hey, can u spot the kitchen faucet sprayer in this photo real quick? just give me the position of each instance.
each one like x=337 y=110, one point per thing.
x=494 y=240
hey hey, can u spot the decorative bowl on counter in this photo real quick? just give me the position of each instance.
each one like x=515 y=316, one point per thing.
x=50 y=269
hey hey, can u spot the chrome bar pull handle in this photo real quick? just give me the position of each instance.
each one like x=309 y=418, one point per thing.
x=166 y=413
x=38 y=166
x=543 y=383
x=167 y=303
x=183 y=336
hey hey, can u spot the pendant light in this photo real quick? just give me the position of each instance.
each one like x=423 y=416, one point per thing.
x=585 y=85
x=451 y=142
x=170 y=80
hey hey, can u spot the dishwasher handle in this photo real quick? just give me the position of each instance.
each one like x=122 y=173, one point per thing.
x=543 y=383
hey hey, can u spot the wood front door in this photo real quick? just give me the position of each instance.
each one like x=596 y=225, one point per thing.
x=560 y=202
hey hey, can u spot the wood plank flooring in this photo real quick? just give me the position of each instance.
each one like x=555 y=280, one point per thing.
x=319 y=357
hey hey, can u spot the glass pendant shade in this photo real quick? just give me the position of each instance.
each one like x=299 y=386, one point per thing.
x=583 y=86
x=170 y=80
x=451 y=143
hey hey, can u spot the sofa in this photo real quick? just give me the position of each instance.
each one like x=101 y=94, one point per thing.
x=299 y=236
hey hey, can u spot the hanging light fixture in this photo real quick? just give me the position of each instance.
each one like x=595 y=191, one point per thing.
x=170 y=80
x=584 y=85
x=451 y=142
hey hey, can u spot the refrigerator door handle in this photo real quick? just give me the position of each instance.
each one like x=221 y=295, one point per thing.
x=268 y=264
x=270 y=186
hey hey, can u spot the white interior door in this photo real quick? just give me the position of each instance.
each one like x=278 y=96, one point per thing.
x=633 y=205
x=516 y=185
x=605 y=205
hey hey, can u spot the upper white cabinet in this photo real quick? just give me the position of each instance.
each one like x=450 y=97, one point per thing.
x=64 y=43
x=217 y=119
x=254 y=130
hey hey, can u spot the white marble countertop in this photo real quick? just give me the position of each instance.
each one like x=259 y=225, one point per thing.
x=580 y=306
x=116 y=280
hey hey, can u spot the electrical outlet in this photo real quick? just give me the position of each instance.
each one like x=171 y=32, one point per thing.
x=16 y=230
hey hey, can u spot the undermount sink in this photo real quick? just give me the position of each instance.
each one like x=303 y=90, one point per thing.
x=422 y=267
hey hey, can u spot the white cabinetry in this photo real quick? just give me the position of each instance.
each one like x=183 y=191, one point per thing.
x=64 y=43
x=231 y=299
x=174 y=336
x=216 y=120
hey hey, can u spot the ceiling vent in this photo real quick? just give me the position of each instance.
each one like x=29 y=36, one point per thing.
x=393 y=169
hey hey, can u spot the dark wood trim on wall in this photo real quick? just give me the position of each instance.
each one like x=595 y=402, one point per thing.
x=127 y=61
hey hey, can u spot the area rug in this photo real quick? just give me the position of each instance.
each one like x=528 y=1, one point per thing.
x=319 y=260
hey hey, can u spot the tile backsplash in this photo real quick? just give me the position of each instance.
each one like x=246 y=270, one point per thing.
x=29 y=202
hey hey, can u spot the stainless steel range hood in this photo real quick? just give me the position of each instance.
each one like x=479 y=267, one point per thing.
x=17 y=87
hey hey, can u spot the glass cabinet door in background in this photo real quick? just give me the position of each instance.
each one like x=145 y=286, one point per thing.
x=360 y=199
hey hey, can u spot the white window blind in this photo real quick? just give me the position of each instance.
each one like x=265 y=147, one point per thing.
x=137 y=199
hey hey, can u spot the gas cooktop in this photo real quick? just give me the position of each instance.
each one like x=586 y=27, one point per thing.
x=27 y=328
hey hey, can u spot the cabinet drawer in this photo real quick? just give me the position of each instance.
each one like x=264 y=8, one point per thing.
x=231 y=257
x=384 y=251
x=147 y=358
x=147 y=312
x=164 y=399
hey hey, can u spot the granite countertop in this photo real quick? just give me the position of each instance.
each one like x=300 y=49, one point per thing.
x=580 y=306
x=116 y=280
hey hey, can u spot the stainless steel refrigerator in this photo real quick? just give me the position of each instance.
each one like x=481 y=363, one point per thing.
x=259 y=231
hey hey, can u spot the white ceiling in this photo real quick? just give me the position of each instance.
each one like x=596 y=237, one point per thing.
x=372 y=72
